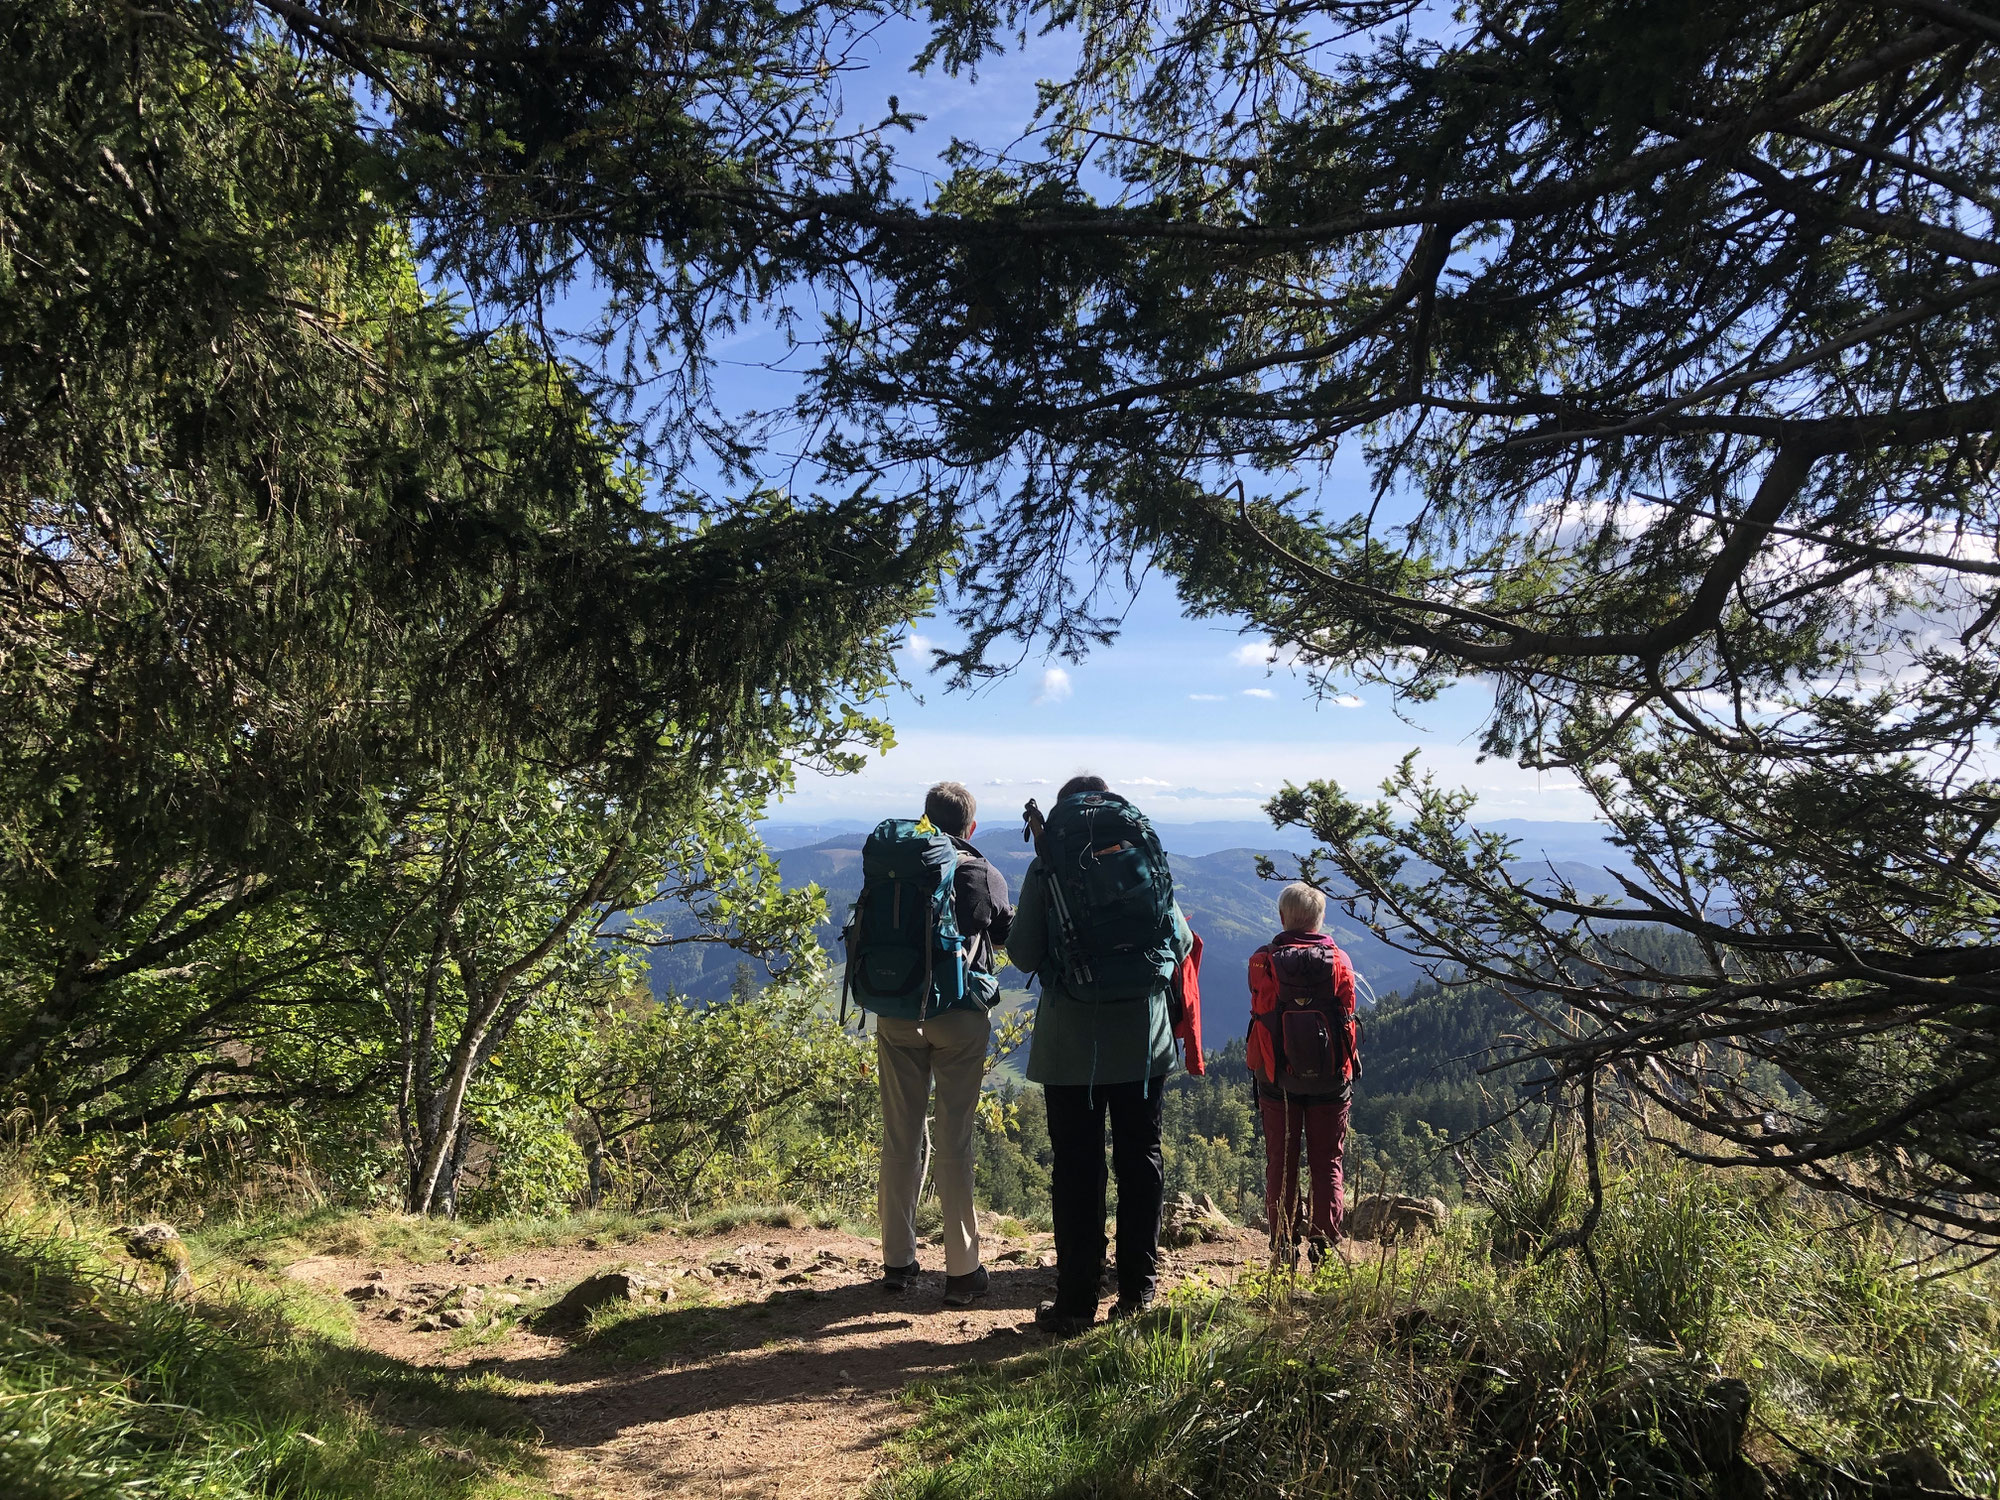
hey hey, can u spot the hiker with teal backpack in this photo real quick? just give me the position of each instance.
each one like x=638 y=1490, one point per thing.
x=921 y=949
x=1098 y=924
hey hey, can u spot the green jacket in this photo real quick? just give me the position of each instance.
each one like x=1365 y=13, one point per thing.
x=1074 y=1041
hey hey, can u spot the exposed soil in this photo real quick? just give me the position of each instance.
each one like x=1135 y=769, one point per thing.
x=772 y=1369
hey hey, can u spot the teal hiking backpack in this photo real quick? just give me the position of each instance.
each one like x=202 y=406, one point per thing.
x=904 y=956
x=1112 y=937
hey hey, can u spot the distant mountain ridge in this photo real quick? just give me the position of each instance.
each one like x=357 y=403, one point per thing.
x=1559 y=840
x=1219 y=891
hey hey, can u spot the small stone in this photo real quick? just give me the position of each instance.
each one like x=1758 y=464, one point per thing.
x=1391 y=1216
x=429 y=1323
x=371 y=1291
x=843 y=1375
x=595 y=1291
x=826 y=1255
x=464 y=1298
x=795 y=1278
x=396 y=1314
x=1046 y=1260
x=375 y=1276
x=458 y=1317
x=532 y=1281
x=508 y=1299
x=591 y=1242
x=1192 y=1219
x=782 y=1262
x=1012 y=1257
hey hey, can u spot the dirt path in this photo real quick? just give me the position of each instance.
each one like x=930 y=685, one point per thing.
x=772 y=1369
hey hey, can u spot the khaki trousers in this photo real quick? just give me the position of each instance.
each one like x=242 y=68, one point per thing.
x=951 y=1048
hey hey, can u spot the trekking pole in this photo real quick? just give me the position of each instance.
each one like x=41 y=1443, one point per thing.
x=1031 y=832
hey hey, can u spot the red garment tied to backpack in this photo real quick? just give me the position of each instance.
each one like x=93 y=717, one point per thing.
x=1186 y=1004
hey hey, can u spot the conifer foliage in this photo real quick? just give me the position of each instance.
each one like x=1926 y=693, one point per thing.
x=341 y=637
x=1667 y=331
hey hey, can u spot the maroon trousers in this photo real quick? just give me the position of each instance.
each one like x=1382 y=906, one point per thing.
x=1323 y=1126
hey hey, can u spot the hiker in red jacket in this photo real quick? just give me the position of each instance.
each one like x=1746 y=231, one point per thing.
x=1303 y=1050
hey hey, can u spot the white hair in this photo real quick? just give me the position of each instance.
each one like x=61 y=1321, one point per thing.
x=1300 y=907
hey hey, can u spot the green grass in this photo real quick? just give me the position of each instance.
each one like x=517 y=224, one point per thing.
x=768 y=1216
x=623 y=1334
x=106 y=1389
x=400 y=1237
x=1455 y=1370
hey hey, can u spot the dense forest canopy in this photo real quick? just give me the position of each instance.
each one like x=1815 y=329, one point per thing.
x=354 y=679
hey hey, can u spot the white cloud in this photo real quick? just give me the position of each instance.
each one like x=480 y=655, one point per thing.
x=1258 y=693
x=1208 y=697
x=1345 y=700
x=1055 y=686
x=1142 y=781
x=1228 y=778
x=918 y=645
x=1265 y=655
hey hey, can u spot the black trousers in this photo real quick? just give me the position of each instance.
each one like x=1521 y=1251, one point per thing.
x=1077 y=1114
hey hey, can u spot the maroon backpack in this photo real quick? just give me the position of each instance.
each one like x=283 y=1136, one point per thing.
x=1313 y=1035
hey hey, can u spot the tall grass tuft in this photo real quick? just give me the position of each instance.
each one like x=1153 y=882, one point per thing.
x=1735 y=1339
x=109 y=1389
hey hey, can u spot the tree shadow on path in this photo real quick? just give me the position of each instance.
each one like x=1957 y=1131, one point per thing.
x=843 y=1343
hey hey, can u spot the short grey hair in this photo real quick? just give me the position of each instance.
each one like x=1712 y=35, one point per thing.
x=1300 y=907
x=949 y=805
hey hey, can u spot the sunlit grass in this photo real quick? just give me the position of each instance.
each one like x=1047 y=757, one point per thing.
x=1458 y=1369
x=107 y=1389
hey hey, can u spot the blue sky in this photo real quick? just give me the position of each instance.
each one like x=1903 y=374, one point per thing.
x=1186 y=716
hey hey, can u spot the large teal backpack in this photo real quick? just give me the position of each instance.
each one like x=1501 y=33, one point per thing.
x=1112 y=933
x=903 y=952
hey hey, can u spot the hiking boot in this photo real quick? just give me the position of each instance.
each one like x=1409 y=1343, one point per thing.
x=1131 y=1307
x=1063 y=1325
x=900 y=1278
x=960 y=1290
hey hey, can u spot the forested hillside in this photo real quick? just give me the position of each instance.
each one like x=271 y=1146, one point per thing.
x=1436 y=1092
x=1225 y=900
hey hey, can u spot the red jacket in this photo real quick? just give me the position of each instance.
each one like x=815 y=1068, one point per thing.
x=1264 y=999
x=1186 y=1008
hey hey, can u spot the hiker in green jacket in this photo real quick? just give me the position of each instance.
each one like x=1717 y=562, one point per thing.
x=1098 y=1055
